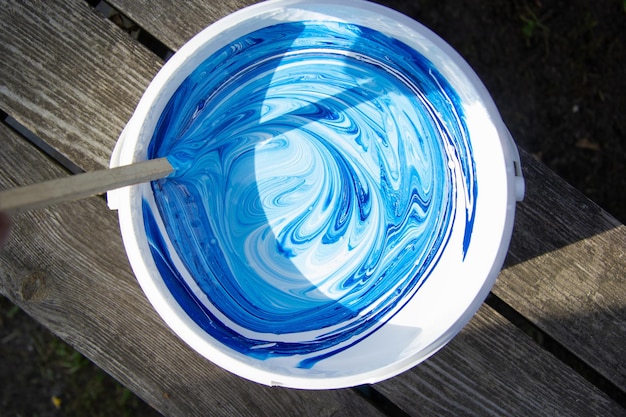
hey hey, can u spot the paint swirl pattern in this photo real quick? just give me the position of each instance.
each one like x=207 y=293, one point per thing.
x=316 y=186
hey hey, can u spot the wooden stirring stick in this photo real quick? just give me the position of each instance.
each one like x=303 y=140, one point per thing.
x=82 y=185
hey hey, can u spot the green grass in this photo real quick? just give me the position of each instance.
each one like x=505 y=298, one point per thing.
x=533 y=27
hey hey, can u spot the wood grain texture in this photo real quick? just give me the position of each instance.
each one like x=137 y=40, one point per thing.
x=491 y=369
x=566 y=271
x=70 y=76
x=175 y=22
x=66 y=266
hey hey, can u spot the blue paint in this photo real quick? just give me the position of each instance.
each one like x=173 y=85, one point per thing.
x=314 y=186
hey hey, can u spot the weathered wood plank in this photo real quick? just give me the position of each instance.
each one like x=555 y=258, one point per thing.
x=492 y=369
x=70 y=76
x=174 y=23
x=566 y=271
x=66 y=267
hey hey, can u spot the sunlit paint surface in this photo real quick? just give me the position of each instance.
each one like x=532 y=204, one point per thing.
x=316 y=187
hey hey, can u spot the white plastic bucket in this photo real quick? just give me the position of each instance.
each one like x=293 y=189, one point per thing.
x=417 y=199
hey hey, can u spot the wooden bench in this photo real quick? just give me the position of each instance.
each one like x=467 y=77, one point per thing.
x=73 y=78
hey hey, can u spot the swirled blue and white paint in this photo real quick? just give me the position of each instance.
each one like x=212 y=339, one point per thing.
x=316 y=186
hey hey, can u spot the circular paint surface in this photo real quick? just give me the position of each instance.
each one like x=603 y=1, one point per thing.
x=320 y=167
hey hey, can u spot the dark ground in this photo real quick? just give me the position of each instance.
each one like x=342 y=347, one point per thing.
x=556 y=70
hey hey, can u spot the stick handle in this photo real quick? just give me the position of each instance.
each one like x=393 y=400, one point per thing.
x=82 y=185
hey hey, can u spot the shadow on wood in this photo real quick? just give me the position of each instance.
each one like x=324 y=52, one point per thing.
x=553 y=215
x=481 y=372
